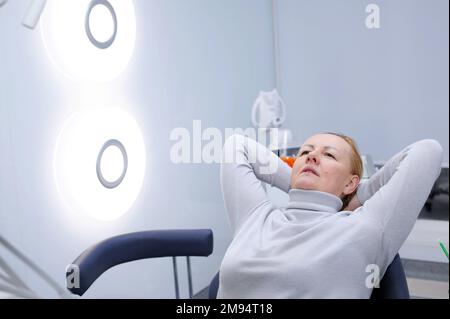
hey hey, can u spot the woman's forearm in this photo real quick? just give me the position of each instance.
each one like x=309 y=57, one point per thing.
x=245 y=165
x=393 y=198
x=368 y=188
x=266 y=166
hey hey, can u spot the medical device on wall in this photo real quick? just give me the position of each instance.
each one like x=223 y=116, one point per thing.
x=33 y=13
x=269 y=113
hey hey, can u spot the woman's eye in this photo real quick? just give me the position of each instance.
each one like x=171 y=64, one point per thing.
x=330 y=155
x=303 y=153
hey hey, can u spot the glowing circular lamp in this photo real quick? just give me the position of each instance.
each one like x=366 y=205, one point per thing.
x=89 y=40
x=97 y=178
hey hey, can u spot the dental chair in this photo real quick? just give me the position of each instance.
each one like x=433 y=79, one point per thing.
x=92 y=263
x=392 y=286
x=187 y=243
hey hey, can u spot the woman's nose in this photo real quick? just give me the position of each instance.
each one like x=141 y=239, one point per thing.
x=311 y=158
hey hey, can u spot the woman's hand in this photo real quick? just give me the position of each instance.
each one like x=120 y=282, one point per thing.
x=354 y=204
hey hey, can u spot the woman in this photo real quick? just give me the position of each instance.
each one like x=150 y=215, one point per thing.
x=314 y=248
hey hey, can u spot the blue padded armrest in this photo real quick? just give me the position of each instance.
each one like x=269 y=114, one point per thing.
x=136 y=246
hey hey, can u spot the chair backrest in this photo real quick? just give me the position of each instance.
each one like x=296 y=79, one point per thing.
x=392 y=286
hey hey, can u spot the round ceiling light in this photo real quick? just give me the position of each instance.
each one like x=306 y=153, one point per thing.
x=89 y=40
x=100 y=179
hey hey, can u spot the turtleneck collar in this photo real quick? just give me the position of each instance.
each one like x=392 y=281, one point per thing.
x=314 y=200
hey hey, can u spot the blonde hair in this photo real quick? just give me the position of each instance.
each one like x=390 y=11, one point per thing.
x=355 y=162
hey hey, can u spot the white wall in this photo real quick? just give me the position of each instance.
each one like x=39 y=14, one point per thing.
x=387 y=88
x=195 y=59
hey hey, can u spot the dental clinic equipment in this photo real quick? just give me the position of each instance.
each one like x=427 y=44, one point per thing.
x=13 y=286
x=268 y=110
x=33 y=13
x=443 y=248
x=126 y=248
x=269 y=113
x=369 y=167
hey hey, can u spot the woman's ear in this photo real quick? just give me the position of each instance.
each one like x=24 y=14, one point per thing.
x=352 y=185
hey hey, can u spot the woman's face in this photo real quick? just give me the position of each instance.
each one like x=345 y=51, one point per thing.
x=324 y=164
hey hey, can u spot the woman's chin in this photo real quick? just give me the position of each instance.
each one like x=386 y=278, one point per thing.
x=305 y=184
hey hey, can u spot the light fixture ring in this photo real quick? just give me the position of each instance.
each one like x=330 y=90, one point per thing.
x=106 y=44
x=101 y=178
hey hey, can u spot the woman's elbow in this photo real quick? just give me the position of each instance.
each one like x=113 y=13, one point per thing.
x=233 y=140
x=435 y=153
x=435 y=149
x=232 y=149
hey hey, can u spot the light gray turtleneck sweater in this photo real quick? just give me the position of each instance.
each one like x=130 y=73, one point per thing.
x=312 y=249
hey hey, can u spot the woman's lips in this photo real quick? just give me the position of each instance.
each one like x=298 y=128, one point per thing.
x=308 y=173
x=309 y=170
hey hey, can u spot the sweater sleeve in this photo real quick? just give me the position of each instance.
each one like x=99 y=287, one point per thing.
x=245 y=165
x=395 y=195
